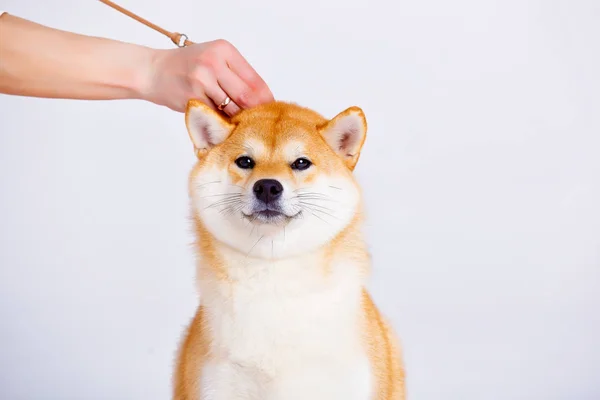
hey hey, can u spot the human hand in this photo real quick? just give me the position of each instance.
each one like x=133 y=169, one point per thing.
x=208 y=72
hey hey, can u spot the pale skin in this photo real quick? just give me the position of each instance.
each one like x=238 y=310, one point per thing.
x=40 y=61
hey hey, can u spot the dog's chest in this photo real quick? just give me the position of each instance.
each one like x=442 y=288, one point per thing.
x=277 y=338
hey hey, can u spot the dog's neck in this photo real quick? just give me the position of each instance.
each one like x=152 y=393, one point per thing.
x=223 y=267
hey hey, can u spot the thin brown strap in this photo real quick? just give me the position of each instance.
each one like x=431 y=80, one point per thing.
x=180 y=39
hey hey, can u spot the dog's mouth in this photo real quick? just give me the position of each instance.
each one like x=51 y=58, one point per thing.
x=269 y=216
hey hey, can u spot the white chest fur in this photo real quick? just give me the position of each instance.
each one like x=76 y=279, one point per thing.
x=286 y=330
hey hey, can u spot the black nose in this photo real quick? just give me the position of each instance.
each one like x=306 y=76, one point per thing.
x=267 y=190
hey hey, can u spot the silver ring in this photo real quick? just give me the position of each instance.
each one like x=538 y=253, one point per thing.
x=224 y=103
x=182 y=38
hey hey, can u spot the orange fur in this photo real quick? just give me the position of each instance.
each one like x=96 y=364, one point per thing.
x=275 y=125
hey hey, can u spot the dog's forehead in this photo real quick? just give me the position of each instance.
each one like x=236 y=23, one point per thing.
x=277 y=126
x=284 y=138
x=286 y=143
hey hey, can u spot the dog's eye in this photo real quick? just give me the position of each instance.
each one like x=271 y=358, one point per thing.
x=301 y=164
x=245 y=162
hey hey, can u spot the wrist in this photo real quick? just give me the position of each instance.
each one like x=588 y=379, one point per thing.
x=141 y=72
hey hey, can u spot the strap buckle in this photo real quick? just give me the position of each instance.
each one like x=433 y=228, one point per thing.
x=182 y=39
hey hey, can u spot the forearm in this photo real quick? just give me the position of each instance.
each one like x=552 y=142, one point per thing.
x=39 y=61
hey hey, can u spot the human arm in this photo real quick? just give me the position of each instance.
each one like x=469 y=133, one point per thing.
x=39 y=61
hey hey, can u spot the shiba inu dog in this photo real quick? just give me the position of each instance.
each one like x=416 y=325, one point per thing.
x=282 y=263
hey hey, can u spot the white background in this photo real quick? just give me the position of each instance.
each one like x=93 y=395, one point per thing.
x=481 y=172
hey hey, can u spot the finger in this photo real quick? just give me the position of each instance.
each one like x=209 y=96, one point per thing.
x=205 y=85
x=236 y=88
x=231 y=109
x=206 y=89
x=242 y=68
x=218 y=97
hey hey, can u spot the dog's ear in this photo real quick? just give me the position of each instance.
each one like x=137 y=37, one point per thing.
x=206 y=127
x=346 y=134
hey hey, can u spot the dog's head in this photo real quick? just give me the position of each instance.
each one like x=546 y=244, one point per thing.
x=275 y=180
